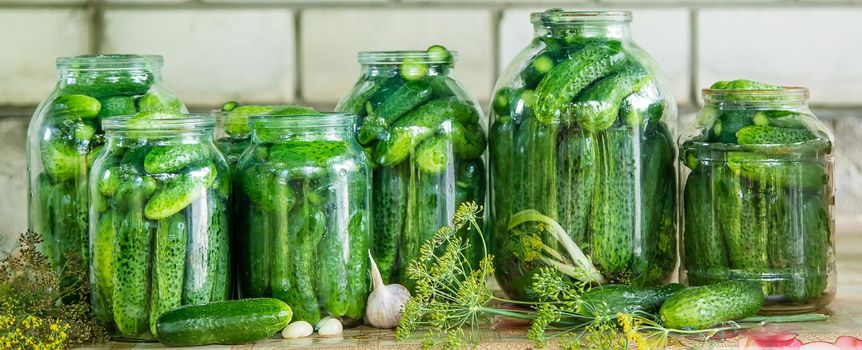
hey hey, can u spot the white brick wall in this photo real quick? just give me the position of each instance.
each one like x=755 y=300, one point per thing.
x=814 y=47
x=32 y=40
x=213 y=55
x=331 y=38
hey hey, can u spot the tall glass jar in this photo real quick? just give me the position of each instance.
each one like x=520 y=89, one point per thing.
x=65 y=134
x=758 y=195
x=582 y=157
x=158 y=223
x=303 y=204
x=425 y=138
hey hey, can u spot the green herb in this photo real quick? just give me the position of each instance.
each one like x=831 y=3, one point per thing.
x=453 y=300
x=33 y=314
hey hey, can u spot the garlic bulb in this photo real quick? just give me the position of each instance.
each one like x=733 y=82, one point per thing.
x=383 y=309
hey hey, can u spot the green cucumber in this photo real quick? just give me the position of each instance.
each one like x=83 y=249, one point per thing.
x=179 y=192
x=743 y=84
x=536 y=70
x=103 y=253
x=417 y=126
x=255 y=268
x=405 y=98
x=358 y=281
x=168 y=267
x=500 y=104
x=75 y=107
x=413 y=68
x=279 y=221
x=470 y=185
x=236 y=122
x=159 y=99
x=389 y=205
x=576 y=164
x=766 y=170
x=701 y=307
x=567 y=79
x=254 y=182
x=704 y=255
x=301 y=152
x=218 y=276
x=131 y=264
x=104 y=83
x=728 y=124
x=612 y=215
x=770 y=135
x=171 y=159
x=619 y=298
x=226 y=322
x=62 y=161
x=785 y=119
x=116 y=106
x=597 y=107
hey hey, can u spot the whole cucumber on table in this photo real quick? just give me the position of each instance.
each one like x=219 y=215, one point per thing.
x=705 y=306
x=225 y=322
x=626 y=299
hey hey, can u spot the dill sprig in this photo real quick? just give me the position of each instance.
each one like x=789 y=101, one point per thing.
x=41 y=308
x=452 y=299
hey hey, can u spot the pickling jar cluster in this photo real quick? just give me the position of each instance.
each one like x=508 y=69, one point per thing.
x=283 y=201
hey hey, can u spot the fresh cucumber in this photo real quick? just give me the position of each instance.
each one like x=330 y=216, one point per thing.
x=104 y=83
x=598 y=106
x=116 y=106
x=173 y=158
x=770 y=135
x=619 y=298
x=168 y=267
x=576 y=160
x=389 y=207
x=563 y=83
x=178 y=193
x=405 y=98
x=226 y=322
x=704 y=255
x=131 y=265
x=75 y=107
x=701 y=307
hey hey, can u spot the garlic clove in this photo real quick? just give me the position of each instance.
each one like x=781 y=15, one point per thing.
x=329 y=327
x=298 y=329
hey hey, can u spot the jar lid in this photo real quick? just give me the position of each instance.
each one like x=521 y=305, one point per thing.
x=110 y=61
x=785 y=94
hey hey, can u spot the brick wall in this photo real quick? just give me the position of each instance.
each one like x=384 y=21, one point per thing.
x=305 y=51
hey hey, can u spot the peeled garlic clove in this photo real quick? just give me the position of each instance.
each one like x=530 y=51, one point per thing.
x=329 y=327
x=298 y=329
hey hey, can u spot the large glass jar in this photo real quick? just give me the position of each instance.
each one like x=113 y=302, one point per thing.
x=158 y=223
x=758 y=195
x=303 y=204
x=65 y=134
x=425 y=138
x=582 y=157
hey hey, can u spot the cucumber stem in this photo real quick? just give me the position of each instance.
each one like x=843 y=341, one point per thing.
x=559 y=233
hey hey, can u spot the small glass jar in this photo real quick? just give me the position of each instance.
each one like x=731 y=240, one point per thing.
x=582 y=157
x=758 y=196
x=425 y=137
x=158 y=224
x=65 y=134
x=302 y=200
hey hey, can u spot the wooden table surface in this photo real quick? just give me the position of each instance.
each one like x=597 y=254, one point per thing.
x=845 y=311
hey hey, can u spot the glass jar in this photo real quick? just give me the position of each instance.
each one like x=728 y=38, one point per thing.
x=158 y=223
x=65 y=134
x=425 y=138
x=582 y=157
x=758 y=196
x=303 y=202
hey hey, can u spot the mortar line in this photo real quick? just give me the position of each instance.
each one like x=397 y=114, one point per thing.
x=496 y=38
x=97 y=26
x=694 y=55
x=298 y=94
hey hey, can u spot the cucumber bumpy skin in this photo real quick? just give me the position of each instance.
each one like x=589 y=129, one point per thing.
x=178 y=193
x=563 y=83
x=621 y=298
x=405 y=98
x=75 y=107
x=770 y=135
x=701 y=307
x=168 y=267
x=171 y=159
x=225 y=322
x=597 y=108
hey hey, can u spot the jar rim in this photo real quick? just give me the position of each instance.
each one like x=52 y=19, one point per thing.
x=110 y=61
x=399 y=56
x=189 y=122
x=785 y=93
x=306 y=121
x=560 y=17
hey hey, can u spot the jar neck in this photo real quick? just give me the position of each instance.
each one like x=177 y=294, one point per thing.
x=129 y=138
x=90 y=69
x=322 y=127
x=389 y=69
x=787 y=98
x=587 y=30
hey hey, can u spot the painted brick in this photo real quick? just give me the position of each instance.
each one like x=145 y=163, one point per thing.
x=33 y=38
x=212 y=55
x=814 y=47
x=331 y=38
x=663 y=33
x=13 y=178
